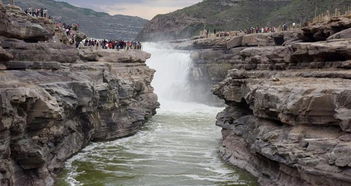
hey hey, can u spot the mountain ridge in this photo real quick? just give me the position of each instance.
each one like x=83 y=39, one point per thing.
x=95 y=24
x=228 y=15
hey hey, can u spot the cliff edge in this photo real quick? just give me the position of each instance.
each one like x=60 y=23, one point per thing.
x=288 y=97
x=287 y=119
x=55 y=100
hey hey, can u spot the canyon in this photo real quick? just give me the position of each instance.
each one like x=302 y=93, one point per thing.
x=55 y=100
x=287 y=94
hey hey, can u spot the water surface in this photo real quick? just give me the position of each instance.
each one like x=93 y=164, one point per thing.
x=178 y=146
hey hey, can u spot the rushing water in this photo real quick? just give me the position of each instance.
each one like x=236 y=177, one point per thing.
x=178 y=146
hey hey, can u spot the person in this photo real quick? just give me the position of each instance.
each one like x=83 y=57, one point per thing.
x=30 y=11
x=41 y=12
x=12 y=2
x=45 y=12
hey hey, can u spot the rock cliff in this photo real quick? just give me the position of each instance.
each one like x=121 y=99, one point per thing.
x=213 y=57
x=55 y=100
x=288 y=97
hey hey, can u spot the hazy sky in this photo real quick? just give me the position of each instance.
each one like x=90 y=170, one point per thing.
x=143 y=8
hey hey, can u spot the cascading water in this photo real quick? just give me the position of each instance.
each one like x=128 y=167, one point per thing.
x=177 y=147
x=172 y=68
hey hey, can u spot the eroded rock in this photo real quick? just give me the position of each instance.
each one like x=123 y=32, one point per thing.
x=53 y=103
x=288 y=115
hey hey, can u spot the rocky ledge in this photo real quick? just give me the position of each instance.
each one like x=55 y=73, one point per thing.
x=213 y=57
x=55 y=99
x=288 y=97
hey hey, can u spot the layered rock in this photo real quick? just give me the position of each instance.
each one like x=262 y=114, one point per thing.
x=55 y=100
x=288 y=113
x=213 y=57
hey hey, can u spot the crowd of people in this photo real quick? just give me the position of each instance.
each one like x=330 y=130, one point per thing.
x=69 y=28
x=73 y=37
x=112 y=44
x=37 y=12
x=260 y=30
x=71 y=31
x=285 y=27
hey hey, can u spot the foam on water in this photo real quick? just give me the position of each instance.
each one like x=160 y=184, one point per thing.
x=177 y=147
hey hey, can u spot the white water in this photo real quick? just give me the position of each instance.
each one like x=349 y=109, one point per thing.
x=170 y=81
x=177 y=147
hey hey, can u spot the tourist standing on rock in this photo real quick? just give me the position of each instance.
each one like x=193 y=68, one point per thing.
x=41 y=12
x=30 y=11
x=45 y=13
x=12 y=2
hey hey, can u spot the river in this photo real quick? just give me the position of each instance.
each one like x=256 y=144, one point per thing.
x=178 y=146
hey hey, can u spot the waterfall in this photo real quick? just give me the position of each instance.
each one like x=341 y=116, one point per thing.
x=172 y=69
x=171 y=81
x=178 y=146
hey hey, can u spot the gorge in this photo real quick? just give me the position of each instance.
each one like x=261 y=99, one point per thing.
x=64 y=110
x=178 y=146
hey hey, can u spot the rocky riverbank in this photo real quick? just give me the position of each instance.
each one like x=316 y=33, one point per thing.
x=55 y=99
x=288 y=98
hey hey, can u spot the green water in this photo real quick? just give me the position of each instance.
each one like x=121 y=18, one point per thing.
x=177 y=147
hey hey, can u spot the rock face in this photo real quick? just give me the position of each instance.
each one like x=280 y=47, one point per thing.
x=54 y=102
x=288 y=114
x=213 y=57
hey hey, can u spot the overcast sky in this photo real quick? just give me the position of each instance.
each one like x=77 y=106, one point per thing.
x=143 y=8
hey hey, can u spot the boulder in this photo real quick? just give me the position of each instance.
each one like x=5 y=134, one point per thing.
x=235 y=42
x=320 y=31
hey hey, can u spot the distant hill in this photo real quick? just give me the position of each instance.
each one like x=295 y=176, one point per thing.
x=94 y=24
x=235 y=15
